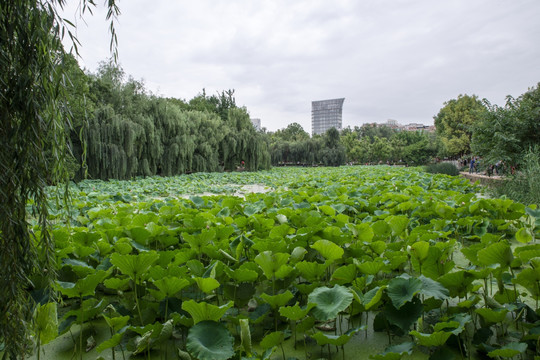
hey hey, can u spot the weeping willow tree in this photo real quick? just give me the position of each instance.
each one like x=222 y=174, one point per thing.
x=243 y=143
x=134 y=134
x=35 y=146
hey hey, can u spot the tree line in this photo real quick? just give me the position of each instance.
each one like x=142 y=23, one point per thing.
x=121 y=131
x=468 y=126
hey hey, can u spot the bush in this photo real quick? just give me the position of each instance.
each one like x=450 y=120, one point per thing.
x=442 y=168
x=525 y=185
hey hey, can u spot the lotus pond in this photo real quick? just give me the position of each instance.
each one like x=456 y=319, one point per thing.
x=343 y=263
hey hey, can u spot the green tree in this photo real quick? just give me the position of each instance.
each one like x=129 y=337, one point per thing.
x=34 y=109
x=293 y=132
x=507 y=133
x=454 y=124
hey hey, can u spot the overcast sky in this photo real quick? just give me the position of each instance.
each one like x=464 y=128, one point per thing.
x=389 y=59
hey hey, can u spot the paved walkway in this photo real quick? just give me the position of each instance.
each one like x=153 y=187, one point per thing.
x=482 y=178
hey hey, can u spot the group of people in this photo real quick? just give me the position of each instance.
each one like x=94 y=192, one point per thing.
x=474 y=164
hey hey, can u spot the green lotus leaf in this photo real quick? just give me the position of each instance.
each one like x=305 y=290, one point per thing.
x=433 y=289
x=497 y=253
x=327 y=210
x=444 y=211
x=209 y=340
x=311 y=271
x=449 y=326
x=140 y=235
x=273 y=339
x=364 y=232
x=395 y=352
x=134 y=266
x=328 y=249
x=437 y=338
x=336 y=340
x=46 y=322
x=344 y=275
x=509 y=350
x=245 y=335
x=224 y=212
x=369 y=267
x=279 y=232
x=281 y=218
x=116 y=323
x=529 y=279
x=123 y=247
x=457 y=282
x=284 y=271
x=207 y=285
x=373 y=296
x=204 y=311
x=197 y=201
x=305 y=325
x=378 y=246
x=523 y=236
x=470 y=302
x=397 y=223
x=492 y=316
x=83 y=287
x=381 y=228
x=330 y=301
x=276 y=301
x=404 y=317
x=197 y=242
x=295 y=312
x=297 y=254
x=420 y=250
x=116 y=283
x=80 y=268
x=110 y=343
x=401 y=290
x=242 y=274
x=271 y=262
x=169 y=286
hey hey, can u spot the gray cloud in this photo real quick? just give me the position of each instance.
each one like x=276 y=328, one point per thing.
x=389 y=59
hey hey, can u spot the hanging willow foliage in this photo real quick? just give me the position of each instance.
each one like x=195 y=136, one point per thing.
x=157 y=137
x=34 y=151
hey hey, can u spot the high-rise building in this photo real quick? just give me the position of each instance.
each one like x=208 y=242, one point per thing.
x=326 y=114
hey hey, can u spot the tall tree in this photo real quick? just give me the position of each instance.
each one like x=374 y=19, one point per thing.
x=35 y=115
x=507 y=133
x=454 y=124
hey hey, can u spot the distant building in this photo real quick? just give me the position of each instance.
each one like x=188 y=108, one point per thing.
x=326 y=114
x=256 y=124
x=409 y=127
x=391 y=124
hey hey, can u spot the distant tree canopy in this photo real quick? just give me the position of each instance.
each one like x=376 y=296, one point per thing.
x=367 y=144
x=507 y=133
x=372 y=144
x=128 y=132
x=454 y=124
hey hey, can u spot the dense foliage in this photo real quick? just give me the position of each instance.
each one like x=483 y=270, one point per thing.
x=128 y=132
x=507 y=133
x=442 y=168
x=367 y=144
x=524 y=186
x=454 y=124
x=34 y=126
x=416 y=256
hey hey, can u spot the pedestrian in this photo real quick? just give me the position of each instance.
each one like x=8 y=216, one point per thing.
x=471 y=166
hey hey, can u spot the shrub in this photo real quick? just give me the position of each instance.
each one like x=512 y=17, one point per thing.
x=525 y=185
x=442 y=168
